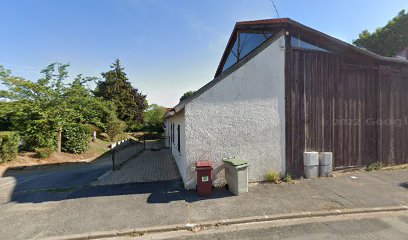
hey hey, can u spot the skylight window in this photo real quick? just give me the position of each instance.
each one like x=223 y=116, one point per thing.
x=297 y=42
x=243 y=45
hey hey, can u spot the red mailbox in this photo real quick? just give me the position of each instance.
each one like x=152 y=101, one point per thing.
x=204 y=180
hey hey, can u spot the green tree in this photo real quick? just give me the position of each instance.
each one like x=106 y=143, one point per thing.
x=387 y=40
x=153 y=118
x=42 y=109
x=187 y=95
x=115 y=87
x=6 y=112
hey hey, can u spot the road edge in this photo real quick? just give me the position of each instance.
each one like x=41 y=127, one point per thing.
x=228 y=222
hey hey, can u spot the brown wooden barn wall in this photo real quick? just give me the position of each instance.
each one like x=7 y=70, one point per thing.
x=333 y=104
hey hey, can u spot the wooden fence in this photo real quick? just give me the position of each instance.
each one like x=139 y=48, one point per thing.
x=358 y=112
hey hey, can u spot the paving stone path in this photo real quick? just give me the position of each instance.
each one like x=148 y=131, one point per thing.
x=149 y=166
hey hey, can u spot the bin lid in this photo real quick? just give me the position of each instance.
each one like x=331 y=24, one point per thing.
x=203 y=163
x=235 y=161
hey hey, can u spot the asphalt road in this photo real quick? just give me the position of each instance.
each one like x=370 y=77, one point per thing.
x=29 y=185
x=360 y=226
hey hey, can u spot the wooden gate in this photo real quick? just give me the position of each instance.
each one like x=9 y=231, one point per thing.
x=342 y=107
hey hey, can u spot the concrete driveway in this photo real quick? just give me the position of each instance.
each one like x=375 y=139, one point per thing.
x=149 y=166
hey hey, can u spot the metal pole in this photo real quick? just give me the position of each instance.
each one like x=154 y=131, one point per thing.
x=113 y=160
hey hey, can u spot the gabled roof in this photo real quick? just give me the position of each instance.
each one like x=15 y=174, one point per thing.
x=293 y=26
x=279 y=24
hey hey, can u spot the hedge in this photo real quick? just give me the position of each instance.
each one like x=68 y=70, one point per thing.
x=115 y=127
x=75 y=138
x=9 y=142
x=43 y=152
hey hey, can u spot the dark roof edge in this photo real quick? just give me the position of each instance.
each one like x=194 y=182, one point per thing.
x=226 y=73
x=289 y=22
x=346 y=44
x=244 y=24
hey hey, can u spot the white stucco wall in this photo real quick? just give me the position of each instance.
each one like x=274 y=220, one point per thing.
x=179 y=156
x=241 y=116
x=166 y=130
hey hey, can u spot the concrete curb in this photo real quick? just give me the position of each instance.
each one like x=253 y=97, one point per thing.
x=226 y=222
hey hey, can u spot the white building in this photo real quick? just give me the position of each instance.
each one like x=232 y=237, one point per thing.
x=238 y=114
x=278 y=91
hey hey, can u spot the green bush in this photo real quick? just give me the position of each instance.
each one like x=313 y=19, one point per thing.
x=288 y=178
x=75 y=138
x=121 y=136
x=9 y=142
x=93 y=128
x=43 y=152
x=152 y=136
x=38 y=135
x=273 y=176
x=115 y=127
x=374 y=166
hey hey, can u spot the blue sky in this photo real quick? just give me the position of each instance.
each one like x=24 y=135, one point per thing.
x=166 y=46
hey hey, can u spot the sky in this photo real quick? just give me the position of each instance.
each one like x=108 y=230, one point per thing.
x=167 y=47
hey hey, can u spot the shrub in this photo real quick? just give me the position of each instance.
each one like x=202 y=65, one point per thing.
x=93 y=128
x=288 y=178
x=374 y=166
x=115 y=127
x=273 y=176
x=43 y=152
x=9 y=142
x=152 y=136
x=121 y=136
x=38 y=135
x=75 y=138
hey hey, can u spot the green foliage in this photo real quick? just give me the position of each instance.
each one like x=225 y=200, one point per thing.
x=75 y=138
x=273 y=176
x=9 y=142
x=187 y=95
x=114 y=127
x=288 y=178
x=115 y=87
x=41 y=108
x=121 y=136
x=374 y=166
x=43 y=152
x=35 y=130
x=93 y=128
x=153 y=118
x=137 y=127
x=387 y=40
x=6 y=112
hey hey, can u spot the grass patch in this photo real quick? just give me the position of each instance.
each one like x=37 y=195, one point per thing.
x=288 y=178
x=374 y=166
x=273 y=176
